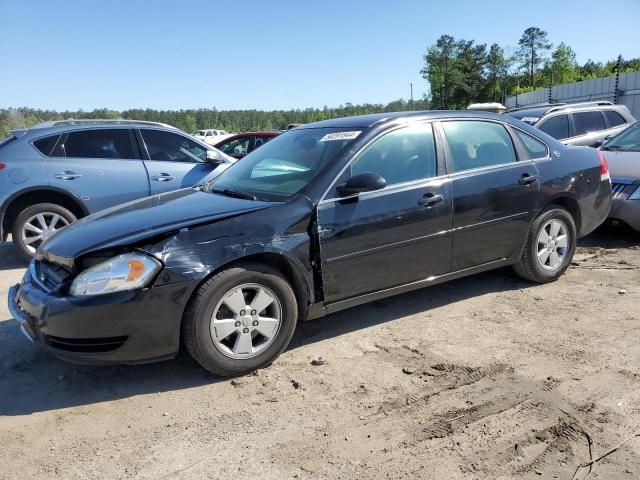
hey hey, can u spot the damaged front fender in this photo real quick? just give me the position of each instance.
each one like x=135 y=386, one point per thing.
x=195 y=253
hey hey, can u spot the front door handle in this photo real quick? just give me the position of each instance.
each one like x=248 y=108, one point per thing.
x=67 y=175
x=527 y=179
x=430 y=199
x=163 y=177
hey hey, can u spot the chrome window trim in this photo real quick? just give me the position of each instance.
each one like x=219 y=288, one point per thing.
x=437 y=181
x=474 y=171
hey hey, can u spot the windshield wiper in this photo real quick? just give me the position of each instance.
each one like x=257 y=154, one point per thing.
x=612 y=147
x=234 y=193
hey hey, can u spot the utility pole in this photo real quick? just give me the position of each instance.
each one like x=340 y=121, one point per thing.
x=411 y=104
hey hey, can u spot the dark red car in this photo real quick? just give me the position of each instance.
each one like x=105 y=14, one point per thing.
x=242 y=144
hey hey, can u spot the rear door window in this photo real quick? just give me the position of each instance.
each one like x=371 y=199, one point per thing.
x=614 y=118
x=557 y=127
x=586 y=122
x=102 y=143
x=475 y=144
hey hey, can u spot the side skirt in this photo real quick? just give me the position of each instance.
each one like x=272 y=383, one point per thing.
x=319 y=310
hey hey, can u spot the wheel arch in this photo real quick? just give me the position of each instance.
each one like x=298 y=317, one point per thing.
x=34 y=195
x=288 y=267
x=570 y=204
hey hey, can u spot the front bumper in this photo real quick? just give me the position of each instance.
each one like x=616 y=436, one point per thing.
x=123 y=327
x=627 y=211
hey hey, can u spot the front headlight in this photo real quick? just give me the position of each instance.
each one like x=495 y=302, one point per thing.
x=635 y=195
x=129 y=271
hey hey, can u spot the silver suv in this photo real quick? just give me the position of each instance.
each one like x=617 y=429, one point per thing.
x=57 y=172
x=588 y=123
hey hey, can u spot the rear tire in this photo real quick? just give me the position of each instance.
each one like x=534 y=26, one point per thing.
x=550 y=246
x=36 y=223
x=223 y=331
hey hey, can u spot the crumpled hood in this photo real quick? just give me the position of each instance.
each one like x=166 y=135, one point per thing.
x=134 y=221
x=623 y=164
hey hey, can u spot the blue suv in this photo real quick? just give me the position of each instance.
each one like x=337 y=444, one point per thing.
x=57 y=172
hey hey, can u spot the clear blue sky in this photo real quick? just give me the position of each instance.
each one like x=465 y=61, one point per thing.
x=278 y=54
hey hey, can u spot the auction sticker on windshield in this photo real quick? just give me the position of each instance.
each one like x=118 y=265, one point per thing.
x=329 y=137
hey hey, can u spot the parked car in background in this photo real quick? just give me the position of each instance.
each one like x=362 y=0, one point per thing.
x=622 y=153
x=494 y=107
x=588 y=123
x=56 y=172
x=242 y=144
x=210 y=135
x=324 y=217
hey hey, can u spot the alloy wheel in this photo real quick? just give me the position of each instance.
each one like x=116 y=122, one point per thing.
x=246 y=321
x=40 y=227
x=552 y=244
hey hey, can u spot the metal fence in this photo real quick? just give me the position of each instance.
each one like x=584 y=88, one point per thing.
x=622 y=89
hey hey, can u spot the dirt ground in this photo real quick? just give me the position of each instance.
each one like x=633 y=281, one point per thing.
x=487 y=377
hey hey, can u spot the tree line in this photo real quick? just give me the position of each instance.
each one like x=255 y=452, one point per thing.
x=194 y=119
x=459 y=72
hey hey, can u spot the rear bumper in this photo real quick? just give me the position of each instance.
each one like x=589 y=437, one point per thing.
x=595 y=208
x=125 y=327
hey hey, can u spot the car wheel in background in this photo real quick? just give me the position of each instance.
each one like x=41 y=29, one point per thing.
x=239 y=320
x=37 y=223
x=550 y=246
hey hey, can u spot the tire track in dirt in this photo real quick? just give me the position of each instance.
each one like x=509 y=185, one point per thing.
x=519 y=425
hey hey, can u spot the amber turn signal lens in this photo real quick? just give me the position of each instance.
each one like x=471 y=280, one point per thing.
x=136 y=268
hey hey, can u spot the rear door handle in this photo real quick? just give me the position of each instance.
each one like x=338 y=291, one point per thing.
x=527 y=179
x=163 y=177
x=67 y=175
x=430 y=199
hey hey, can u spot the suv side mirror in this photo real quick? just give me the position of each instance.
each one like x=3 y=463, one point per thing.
x=213 y=156
x=597 y=144
x=363 y=182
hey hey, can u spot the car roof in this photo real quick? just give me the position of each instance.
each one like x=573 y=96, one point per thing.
x=366 y=121
x=75 y=124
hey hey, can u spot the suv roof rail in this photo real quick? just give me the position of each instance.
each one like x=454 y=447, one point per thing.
x=536 y=105
x=100 y=121
x=581 y=105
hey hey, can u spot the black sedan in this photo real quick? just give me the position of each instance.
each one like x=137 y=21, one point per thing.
x=324 y=217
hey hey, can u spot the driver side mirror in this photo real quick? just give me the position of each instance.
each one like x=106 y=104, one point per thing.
x=363 y=182
x=597 y=144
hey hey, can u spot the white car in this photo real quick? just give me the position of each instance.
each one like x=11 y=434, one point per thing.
x=210 y=136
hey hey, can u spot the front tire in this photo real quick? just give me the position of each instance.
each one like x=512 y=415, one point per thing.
x=240 y=320
x=37 y=223
x=550 y=246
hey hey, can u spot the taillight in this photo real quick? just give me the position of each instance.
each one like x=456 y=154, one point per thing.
x=604 y=168
x=2 y=165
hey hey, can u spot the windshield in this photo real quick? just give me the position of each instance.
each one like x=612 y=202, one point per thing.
x=628 y=140
x=284 y=166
